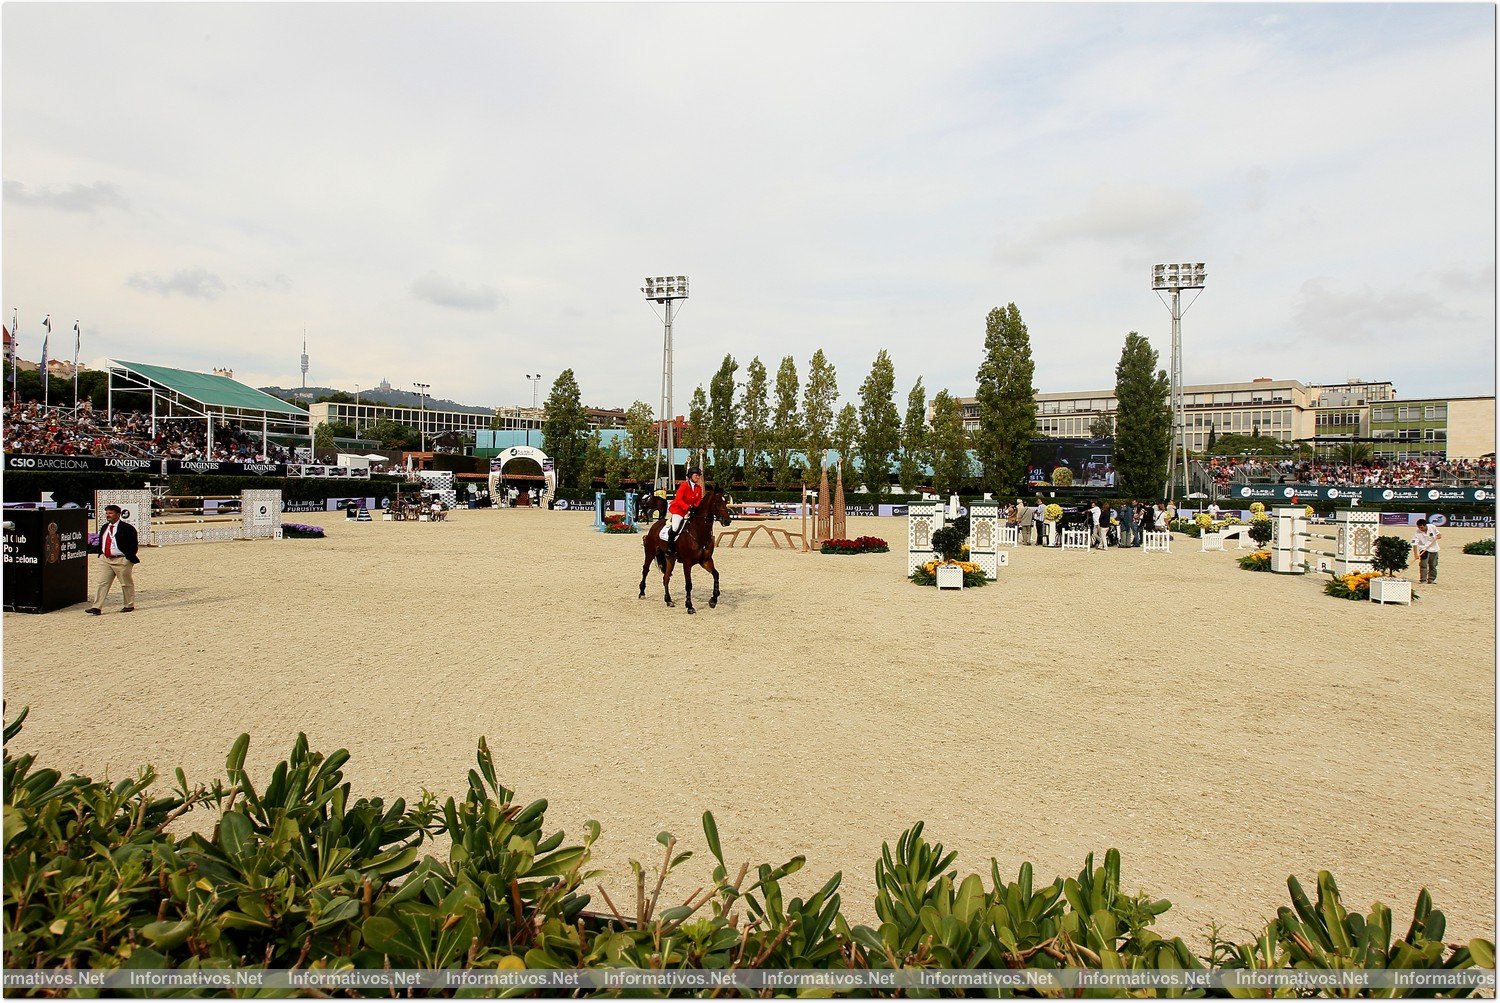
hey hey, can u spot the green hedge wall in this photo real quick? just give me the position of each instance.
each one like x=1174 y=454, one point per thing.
x=79 y=486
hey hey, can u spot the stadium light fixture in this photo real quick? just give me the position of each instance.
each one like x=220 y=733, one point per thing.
x=666 y=290
x=1173 y=279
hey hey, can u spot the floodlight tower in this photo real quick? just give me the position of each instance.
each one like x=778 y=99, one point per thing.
x=1174 y=279
x=666 y=289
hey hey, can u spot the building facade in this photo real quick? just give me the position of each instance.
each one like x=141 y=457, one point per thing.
x=1291 y=411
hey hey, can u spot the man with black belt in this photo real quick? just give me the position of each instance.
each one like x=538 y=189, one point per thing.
x=117 y=549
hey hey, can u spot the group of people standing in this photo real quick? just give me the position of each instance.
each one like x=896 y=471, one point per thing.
x=1122 y=524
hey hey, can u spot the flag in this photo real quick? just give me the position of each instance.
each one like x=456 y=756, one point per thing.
x=47 y=323
x=44 y=356
x=77 y=343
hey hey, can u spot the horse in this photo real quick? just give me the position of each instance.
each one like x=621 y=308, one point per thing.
x=695 y=545
x=651 y=506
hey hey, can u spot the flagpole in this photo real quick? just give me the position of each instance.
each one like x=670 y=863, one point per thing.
x=46 y=383
x=77 y=344
x=15 y=334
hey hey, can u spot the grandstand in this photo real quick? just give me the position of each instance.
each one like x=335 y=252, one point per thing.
x=181 y=393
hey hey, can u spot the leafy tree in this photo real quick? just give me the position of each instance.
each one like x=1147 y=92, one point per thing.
x=786 y=431
x=323 y=438
x=1007 y=402
x=1213 y=437
x=880 y=425
x=846 y=444
x=723 y=422
x=818 y=400
x=949 y=444
x=565 y=430
x=341 y=429
x=641 y=450
x=594 y=460
x=337 y=397
x=756 y=420
x=914 y=438
x=695 y=437
x=393 y=435
x=616 y=465
x=1143 y=420
x=1101 y=427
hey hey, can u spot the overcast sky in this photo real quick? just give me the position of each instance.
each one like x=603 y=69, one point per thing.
x=464 y=194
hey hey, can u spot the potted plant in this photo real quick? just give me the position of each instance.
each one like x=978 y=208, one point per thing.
x=949 y=544
x=1392 y=555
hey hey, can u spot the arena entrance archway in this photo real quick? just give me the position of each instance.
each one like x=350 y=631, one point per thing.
x=497 y=467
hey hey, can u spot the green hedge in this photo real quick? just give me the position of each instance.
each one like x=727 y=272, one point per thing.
x=292 y=871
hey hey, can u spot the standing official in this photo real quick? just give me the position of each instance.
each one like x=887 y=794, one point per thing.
x=117 y=552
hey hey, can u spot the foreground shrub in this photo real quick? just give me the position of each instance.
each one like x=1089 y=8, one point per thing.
x=973 y=574
x=294 y=872
x=1486 y=547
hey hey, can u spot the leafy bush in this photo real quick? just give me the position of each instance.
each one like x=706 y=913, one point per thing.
x=1391 y=554
x=1261 y=530
x=294 y=872
x=949 y=542
x=1481 y=547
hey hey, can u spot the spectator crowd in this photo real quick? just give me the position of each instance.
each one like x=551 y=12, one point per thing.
x=1373 y=473
x=32 y=428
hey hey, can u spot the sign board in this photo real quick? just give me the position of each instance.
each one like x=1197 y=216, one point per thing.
x=46 y=560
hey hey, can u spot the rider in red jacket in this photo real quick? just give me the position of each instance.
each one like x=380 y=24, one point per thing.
x=689 y=494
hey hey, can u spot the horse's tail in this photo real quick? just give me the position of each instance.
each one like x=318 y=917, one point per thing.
x=661 y=561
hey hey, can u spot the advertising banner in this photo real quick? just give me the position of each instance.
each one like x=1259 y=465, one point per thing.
x=1372 y=497
x=46 y=560
x=127 y=464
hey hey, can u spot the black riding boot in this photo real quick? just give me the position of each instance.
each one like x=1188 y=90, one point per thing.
x=672 y=535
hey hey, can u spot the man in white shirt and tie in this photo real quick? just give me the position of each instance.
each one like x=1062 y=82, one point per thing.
x=118 y=545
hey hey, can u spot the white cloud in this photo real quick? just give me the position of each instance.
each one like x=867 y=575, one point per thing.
x=851 y=178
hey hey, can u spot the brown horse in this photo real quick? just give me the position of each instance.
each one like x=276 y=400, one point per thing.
x=695 y=545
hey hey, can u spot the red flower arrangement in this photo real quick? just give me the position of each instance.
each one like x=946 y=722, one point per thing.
x=863 y=545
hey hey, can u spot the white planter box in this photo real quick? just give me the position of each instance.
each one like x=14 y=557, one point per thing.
x=1390 y=590
x=950 y=576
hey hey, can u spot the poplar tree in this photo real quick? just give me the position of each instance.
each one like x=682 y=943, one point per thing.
x=786 y=428
x=755 y=414
x=641 y=451
x=846 y=443
x=1143 y=420
x=914 y=454
x=565 y=430
x=1007 y=402
x=949 y=444
x=880 y=425
x=723 y=422
x=818 y=400
x=695 y=438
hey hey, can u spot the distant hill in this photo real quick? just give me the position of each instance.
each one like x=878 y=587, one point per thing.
x=397 y=398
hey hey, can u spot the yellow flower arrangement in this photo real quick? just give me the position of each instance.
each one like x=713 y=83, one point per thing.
x=1205 y=521
x=931 y=567
x=1053 y=512
x=1257 y=509
x=1310 y=512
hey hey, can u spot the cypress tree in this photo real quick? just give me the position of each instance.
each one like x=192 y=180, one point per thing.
x=1143 y=420
x=756 y=418
x=1007 y=402
x=880 y=425
x=818 y=400
x=914 y=438
x=786 y=430
x=949 y=444
x=565 y=430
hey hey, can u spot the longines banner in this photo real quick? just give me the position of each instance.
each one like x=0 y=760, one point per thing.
x=1373 y=497
x=128 y=464
x=224 y=467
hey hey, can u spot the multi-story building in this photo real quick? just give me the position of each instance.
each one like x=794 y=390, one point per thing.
x=430 y=421
x=1292 y=411
x=1457 y=428
x=1276 y=408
